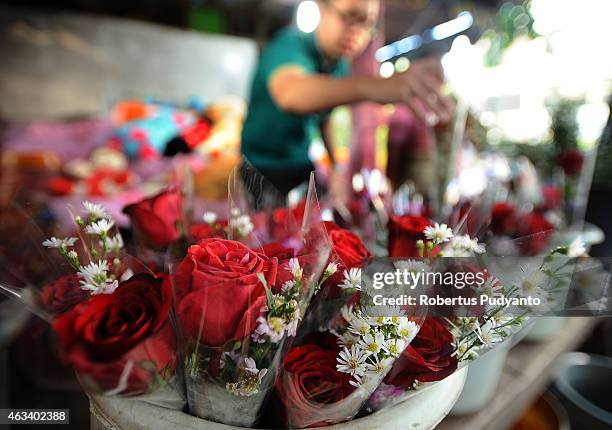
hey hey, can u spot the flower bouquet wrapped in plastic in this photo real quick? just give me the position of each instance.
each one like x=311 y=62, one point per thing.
x=478 y=299
x=343 y=349
x=111 y=317
x=240 y=294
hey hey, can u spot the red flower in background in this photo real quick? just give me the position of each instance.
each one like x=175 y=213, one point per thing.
x=552 y=197
x=347 y=246
x=202 y=231
x=348 y=251
x=404 y=232
x=536 y=230
x=110 y=333
x=220 y=294
x=63 y=294
x=310 y=381
x=157 y=218
x=571 y=162
x=503 y=218
x=428 y=357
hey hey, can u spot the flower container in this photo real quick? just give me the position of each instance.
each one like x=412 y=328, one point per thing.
x=424 y=410
x=483 y=378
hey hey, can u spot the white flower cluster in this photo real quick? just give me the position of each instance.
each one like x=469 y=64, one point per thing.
x=283 y=314
x=371 y=344
x=471 y=336
x=463 y=246
x=240 y=224
x=96 y=276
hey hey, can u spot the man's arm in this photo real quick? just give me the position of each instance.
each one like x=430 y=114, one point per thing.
x=294 y=90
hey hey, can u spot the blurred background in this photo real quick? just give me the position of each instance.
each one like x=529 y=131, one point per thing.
x=532 y=77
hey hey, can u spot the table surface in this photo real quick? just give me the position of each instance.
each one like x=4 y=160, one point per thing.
x=526 y=375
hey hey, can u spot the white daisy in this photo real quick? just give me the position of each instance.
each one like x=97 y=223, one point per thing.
x=294 y=267
x=293 y=324
x=359 y=326
x=115 y=242
x=54 y=242
x=209 y=217
x=576 y=248
x=104 y=288
x=94 y=275
x=331 y=269
x=347 y=339
x=467 y=244
x=395 y=347
x=487 y=334
x=379 y=367
x=352 y=361
x=72 y=255
x=406 y=328
x=491 y=287
x=243 y=225
x=372 y=343
x=412 y=266
x=438 y=233
x=95 y=211
x=100 y=227
x=352 y=279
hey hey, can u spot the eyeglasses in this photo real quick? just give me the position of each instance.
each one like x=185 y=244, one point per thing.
x=351 y=19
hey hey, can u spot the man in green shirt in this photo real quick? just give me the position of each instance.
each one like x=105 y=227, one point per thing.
x=302 y=76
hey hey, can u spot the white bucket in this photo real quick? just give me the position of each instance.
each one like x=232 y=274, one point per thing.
x=422 y=411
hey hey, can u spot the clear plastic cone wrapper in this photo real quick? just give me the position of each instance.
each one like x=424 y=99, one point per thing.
x=241 y=293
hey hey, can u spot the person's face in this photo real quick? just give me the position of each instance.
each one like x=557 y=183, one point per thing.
x=347 y=26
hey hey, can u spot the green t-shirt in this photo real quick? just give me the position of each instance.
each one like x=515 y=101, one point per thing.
x=272 y=138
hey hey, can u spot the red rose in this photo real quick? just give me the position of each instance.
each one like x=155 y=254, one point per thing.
x=285 y=222
x=404 y=232
x=156 y=218
x=552 y=196
x=63 y=294
x=428 y=357
x=111 y=332
x=348 y=250
x=220 y=293
x=534 y=233
x=571 y=162
x=207 y=231
x=503 y=218
x=310 y=381
x=347 y=246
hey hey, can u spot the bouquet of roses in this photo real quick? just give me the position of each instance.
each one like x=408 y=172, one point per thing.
x=241 y=292
x=343 y=350
x=516 y=289
x=112 y=318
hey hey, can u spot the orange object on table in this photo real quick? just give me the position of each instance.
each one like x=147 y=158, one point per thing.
x=130 y=110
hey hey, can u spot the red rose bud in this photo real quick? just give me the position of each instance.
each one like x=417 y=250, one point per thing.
x=110 y=334
x=404 y=233
x=429 y=357
x=219 y=292
x=157 y=218
x=537 y=231
x=503 y=218
x=571 y=162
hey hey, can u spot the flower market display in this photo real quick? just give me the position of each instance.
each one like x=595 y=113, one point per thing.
x=256 y=315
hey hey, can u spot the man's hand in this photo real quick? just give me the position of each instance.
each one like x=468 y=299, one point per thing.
x=420 y=89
